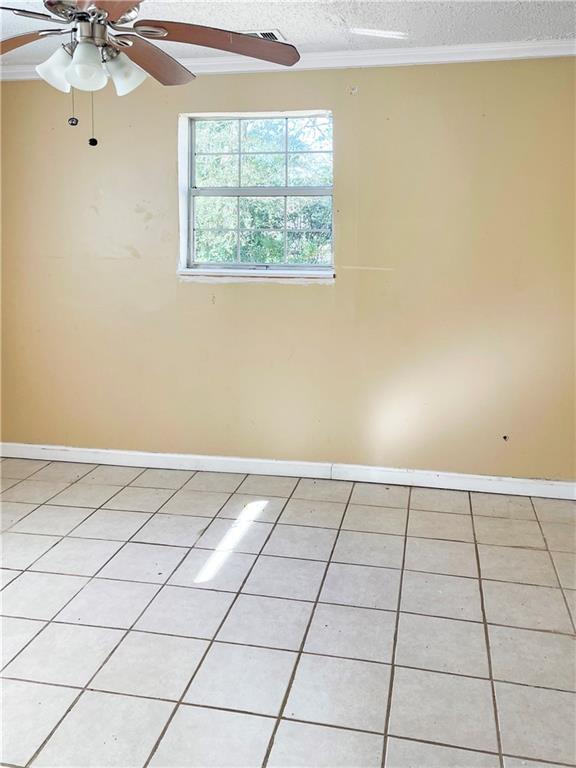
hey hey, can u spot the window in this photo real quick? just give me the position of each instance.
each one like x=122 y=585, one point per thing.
x=256 y=195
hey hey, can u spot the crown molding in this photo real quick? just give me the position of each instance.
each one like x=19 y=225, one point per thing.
x=397 y=57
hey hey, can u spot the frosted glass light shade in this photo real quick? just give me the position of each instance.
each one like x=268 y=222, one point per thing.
x=52 y=70
x=125 y=75
x=86 y=72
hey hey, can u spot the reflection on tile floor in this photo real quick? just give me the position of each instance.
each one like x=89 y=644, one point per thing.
x=176 y=618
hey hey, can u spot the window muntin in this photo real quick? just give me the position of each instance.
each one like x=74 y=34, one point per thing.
x=261 y=192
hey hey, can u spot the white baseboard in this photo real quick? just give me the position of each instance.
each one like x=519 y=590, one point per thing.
x=516 y=486
x=166 y=460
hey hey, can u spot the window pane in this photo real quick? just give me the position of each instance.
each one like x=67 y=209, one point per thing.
x=309 y=133
x=263 y=170
x=215 y=213
x=261 y=212
x=309 y=248
x=264 y=135
x=217 y=170
x=216 y=135
x=261 y=247
x=309 y=213
x=214 y=246
x=310 y=170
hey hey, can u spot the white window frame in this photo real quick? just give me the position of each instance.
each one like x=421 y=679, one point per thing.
x=300 y=273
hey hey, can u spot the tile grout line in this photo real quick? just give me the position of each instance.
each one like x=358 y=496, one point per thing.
x=305 y=636
x=133 y=630
x=86 y=685
x=69 y=484
x=90 y=579
x=307 y=602
x=297 y=498
x=50 y=462
x=95 y=576
x=211 y=642
x=530 y=760
x=55 y=620
x=487 y=643
x=314 y=723
x=289 y=719
x=215 y=517
x=530 y=548
x=261 y=554
x=50 y=498
x=35 y=560
x=36 y=471
x=24 y=570
x=6 y=530
x=160 y=585
x=250 y=712
x=259 y=522
x=248 y=553
x=560 y=585
x=388 y=713
x=238 y=490
x=75 y=701
x=102 y=507
x=125 y=631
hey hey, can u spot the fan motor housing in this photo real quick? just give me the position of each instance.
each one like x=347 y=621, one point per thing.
x=93 y=31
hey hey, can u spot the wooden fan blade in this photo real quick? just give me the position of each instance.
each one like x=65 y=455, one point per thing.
x=32 y=14
x=116 y=8
x=160 y=65
x=10 y=43
x=221 y=39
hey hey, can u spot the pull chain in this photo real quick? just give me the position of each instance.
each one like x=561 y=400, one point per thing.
x=93 y=142
x=73 y=121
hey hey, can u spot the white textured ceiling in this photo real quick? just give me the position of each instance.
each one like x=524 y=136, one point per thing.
x=326 y=25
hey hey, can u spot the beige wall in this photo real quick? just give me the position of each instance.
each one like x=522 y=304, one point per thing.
x=458 y=180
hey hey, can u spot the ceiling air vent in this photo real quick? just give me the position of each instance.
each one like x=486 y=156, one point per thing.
x=273 y=34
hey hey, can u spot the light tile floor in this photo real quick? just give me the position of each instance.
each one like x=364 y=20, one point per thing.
x=174 y=618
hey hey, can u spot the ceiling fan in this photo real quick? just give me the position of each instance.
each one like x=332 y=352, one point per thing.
x=101 y=46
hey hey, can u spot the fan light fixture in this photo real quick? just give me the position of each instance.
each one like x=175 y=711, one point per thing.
x=125 y=75
x=85 y=70
x=53 y=69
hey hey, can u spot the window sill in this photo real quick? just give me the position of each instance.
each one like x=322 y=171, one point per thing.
x=285 y=276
